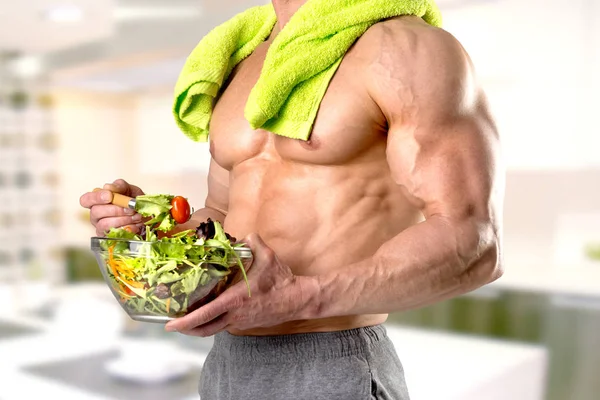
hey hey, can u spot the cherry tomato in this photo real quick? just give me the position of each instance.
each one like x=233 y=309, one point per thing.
x=180 y=210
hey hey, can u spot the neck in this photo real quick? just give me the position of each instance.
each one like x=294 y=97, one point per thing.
x=285 y=9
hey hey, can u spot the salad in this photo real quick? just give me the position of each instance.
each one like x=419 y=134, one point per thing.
x=165 y=211
x=170 y=275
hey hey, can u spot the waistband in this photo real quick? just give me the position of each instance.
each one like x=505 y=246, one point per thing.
x=300 y=346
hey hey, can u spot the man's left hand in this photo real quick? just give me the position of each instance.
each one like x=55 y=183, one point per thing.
x=277 y=296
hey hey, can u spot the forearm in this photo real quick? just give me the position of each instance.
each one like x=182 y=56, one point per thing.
x=427 y=263
x=198 y=217
x=205 y=213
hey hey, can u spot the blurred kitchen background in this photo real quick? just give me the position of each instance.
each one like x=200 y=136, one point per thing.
x=85 y=98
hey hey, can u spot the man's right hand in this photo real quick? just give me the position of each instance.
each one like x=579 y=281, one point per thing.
x=104 y=215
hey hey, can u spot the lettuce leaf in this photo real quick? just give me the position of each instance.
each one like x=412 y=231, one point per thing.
x=184 y=262
x=120 y=233
x=157 y=206
x=150 y=205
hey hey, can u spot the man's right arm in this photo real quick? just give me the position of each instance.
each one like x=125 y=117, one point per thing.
x=104 y=215
x=217 y=200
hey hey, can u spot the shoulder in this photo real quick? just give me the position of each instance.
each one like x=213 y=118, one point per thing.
x=413 y=42
x=409 y=59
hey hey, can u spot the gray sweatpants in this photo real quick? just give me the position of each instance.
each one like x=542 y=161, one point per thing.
x=357 y=364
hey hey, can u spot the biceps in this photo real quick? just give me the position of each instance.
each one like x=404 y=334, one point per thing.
x=218 y=187
x=450 y=169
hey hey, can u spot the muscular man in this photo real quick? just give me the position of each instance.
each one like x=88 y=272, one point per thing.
x=394 y=203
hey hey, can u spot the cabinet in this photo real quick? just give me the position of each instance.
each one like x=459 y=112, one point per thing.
x=566 y=326
x=29 y=213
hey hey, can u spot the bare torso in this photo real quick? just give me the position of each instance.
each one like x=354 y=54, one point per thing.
x=319 y=204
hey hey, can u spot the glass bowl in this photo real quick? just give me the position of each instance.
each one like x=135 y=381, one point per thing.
x=152 y=289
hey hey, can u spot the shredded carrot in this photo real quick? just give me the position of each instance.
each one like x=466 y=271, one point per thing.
x=137 y=285
x=168 y=304
x=120 y=271
x=111 y=261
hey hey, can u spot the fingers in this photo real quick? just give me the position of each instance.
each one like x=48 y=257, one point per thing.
x=105 y=196
x=105 y=217
x=121 y=186
x=203 y=315
x=212 y=328
x=104 y=225
x=99 y=212
x=90 y=199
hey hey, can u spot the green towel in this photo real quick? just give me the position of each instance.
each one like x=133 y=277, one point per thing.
x=298 y=67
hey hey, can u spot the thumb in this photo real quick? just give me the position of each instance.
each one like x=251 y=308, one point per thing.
x=260 y=250
x=119 y=186
x=253 y=241
x=123 y=187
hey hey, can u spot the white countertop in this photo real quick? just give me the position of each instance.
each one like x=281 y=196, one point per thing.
x=54 y=344
x=461 y=367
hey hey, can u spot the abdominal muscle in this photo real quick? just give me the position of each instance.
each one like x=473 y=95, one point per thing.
x=316 y=219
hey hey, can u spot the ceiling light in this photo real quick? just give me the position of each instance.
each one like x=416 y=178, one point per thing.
x=64 y=13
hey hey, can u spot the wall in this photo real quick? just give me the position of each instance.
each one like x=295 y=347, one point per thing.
x=543 y=216
x=108 y=136
x=94 y=147
x=538 y=62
